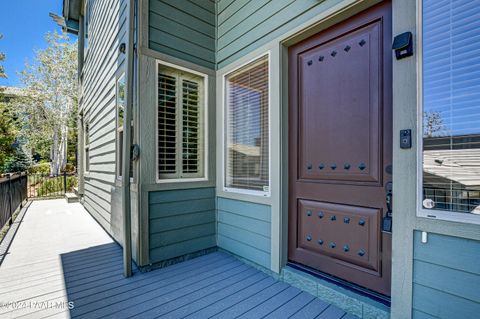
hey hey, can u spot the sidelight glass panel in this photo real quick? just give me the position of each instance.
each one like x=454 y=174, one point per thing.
x=247 y=127
x=451 y=105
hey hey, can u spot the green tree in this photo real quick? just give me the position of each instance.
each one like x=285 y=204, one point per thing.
x=50 y=99
x=8 y=132
x=2 y=58
x=19 y=162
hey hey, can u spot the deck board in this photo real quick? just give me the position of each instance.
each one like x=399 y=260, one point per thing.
x=60 y=255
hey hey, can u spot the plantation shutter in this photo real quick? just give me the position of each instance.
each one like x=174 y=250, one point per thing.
x=451 y=105
x=247 y=127
x=167 y=125
x=180 y=124
x=191 y=136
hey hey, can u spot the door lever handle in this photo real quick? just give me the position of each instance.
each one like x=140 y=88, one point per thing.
x=389 y=202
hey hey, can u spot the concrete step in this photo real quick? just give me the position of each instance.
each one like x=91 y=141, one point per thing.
x=71 y=198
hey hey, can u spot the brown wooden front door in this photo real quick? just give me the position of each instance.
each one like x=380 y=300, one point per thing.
x=340 y=152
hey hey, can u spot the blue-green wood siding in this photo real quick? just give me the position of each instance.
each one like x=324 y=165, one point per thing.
x=244 y=229
x=181 y=222
x=244 y=25
x=184 y=29
x=446 y=277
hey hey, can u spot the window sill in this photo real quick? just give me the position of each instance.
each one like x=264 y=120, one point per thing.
x=245 y=195
x=181 y=180
x=246 y=192
x=448 y=216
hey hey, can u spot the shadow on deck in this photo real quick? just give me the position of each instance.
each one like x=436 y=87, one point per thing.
x=85 y=280
x=216 y=285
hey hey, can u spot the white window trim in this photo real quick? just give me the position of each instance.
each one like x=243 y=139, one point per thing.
x=224 y=127
x=118 y=130
x=118 y=168
x=86 y=133
x=205 y=125
x=421 y=211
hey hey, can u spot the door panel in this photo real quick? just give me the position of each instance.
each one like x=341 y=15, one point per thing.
x=337 y=142
x=353 y=239
x=340 y=149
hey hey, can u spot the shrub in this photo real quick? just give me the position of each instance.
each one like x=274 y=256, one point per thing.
x=43 y=168
x=54 y=185
x=72 y=182
x=69 y=168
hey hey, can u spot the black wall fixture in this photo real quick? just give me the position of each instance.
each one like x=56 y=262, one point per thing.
x=403 y=45
x=123 y=48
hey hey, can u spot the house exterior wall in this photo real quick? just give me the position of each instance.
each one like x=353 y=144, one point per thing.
x=178 y=217
x=103 y=63
x=181 y=222
x=183 y=29
x=246 y=25
x=446 y=277
x=244 y=229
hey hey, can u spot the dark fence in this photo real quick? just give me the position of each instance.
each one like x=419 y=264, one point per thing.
x=13 y=191
x=50 y=186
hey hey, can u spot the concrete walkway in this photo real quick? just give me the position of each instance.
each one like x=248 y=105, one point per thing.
x=62 y=264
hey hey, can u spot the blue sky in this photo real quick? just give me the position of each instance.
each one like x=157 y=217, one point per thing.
x=23 y=24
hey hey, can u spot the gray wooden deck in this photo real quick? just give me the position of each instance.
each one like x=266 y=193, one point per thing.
x=61 y=255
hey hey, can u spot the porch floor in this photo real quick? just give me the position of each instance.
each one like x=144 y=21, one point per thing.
x=60 y=255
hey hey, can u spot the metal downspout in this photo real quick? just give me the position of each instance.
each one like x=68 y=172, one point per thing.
x=127 y=131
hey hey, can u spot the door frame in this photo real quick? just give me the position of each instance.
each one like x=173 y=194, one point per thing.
x=344 y=11
x=376 y=20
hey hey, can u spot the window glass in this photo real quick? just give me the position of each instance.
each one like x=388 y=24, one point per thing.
x=120 y=107
x=87 y=146
x=86 y=25
x=247 y=127
x=451 y=105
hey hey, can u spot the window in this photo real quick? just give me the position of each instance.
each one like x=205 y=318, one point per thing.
x=451 y=108
x=180 y=124
x=247 y=127
x=87 y=146
x=120 y=105
x=86 y=25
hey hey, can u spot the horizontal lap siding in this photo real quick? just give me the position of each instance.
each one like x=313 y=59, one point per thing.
x=106 y=30
x=446 y=279
x=244 y=25
x=184 y=29
x=244 y=229
x=181 y=222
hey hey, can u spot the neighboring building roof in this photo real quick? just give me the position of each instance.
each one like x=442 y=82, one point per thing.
x=458 y=165
x=11 y=91
x=247 y=150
